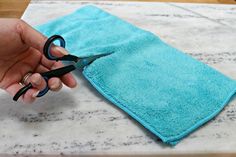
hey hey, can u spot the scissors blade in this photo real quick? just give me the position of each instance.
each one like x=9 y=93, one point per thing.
x=88 y=60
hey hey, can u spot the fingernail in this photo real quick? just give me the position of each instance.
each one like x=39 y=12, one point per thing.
x=54 y=85
x=35 y=94
x=37 y=79
x=62 y=50
x=75 y=85
x=55 y=66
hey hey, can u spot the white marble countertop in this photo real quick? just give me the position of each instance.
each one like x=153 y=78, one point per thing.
x=81 y=121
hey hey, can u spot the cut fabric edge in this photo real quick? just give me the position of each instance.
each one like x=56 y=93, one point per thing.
x=173 y=140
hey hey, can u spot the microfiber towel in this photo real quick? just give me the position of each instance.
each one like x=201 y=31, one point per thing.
x=168 y=92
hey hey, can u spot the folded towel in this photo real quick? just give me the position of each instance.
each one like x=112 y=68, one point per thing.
x=167 y=91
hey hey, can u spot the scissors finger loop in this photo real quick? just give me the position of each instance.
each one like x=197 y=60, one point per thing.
x=45 y=90
x=48 y=45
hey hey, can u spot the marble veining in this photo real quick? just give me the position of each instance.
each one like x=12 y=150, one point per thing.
x=81 y=121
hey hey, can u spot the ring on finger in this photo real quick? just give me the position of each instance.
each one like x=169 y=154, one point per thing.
x=25 y=78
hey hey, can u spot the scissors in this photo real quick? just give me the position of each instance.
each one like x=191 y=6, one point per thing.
x=79 y=62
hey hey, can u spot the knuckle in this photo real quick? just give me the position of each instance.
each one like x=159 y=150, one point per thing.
x=20 y=25
x=44 y=37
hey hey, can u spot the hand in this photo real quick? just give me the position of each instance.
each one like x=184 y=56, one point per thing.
x=21 y=50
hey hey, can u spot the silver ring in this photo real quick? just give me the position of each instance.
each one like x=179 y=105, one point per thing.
x=25 y=78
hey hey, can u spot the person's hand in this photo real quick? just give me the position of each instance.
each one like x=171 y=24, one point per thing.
x=21 y=50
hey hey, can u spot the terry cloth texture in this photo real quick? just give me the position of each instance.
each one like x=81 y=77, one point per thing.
x=167 y=91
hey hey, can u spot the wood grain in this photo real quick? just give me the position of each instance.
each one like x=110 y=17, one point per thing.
x=12 y=8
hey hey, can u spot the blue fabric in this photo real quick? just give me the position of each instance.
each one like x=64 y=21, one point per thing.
x=167 y=91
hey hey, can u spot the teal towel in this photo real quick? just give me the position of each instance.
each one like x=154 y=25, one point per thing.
x=167 y=91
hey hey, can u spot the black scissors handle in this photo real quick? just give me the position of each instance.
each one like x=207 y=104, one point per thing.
x=53 y=73
x=47 y=49
x=81 y=62
x=47 y=75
